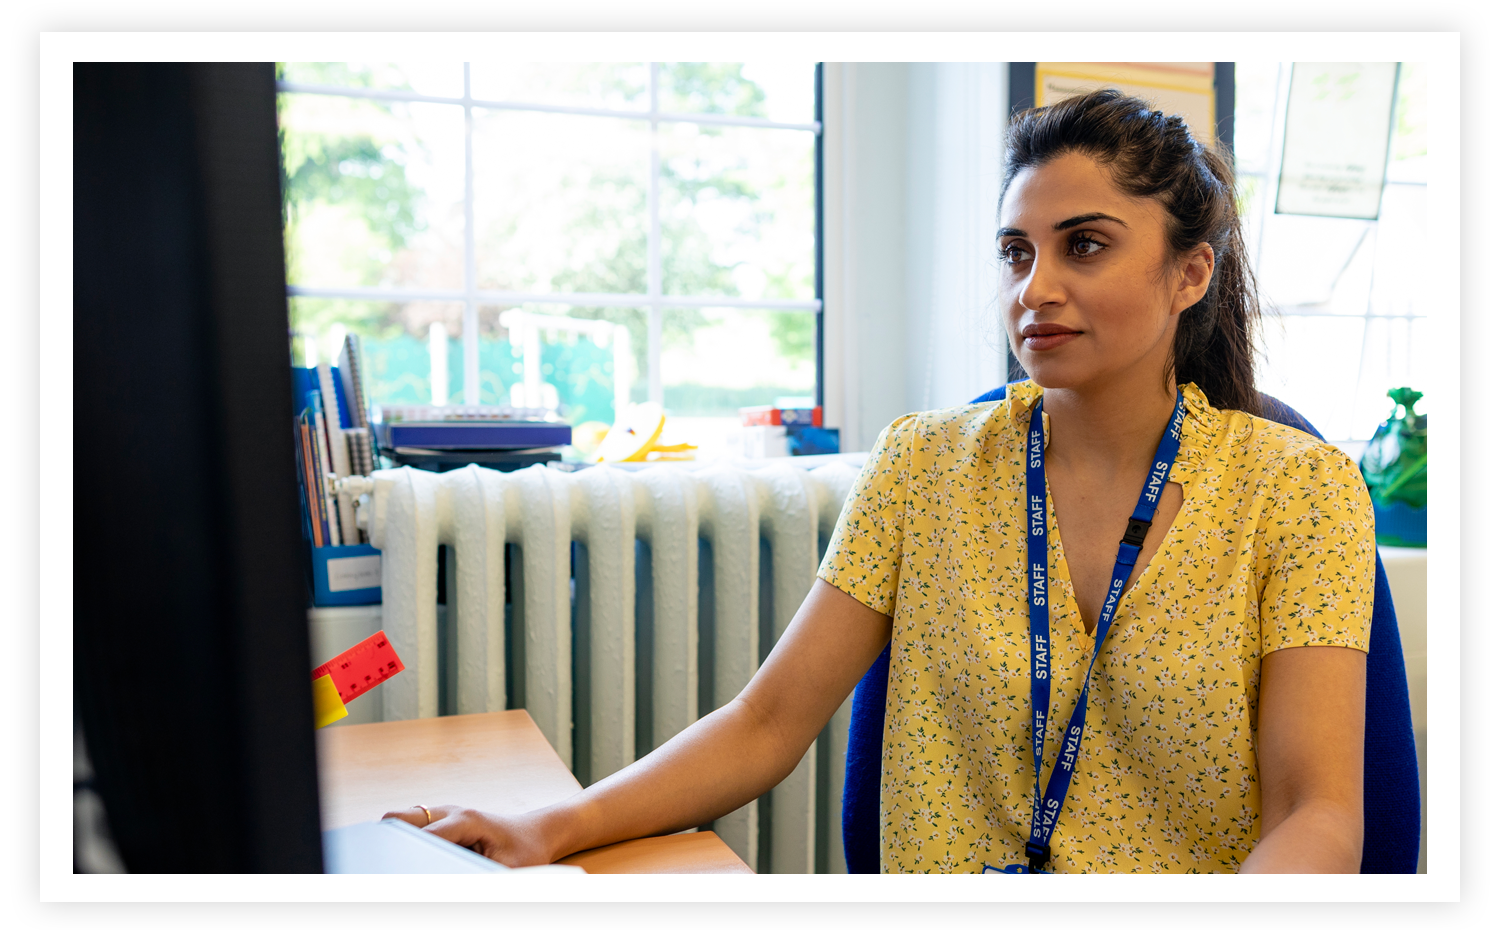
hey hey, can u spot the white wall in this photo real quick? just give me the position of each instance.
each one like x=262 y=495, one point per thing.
x=864 y=275
x=912 y=166
x=955 y=348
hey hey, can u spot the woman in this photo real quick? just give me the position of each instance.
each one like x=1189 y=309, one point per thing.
x=1224 y=723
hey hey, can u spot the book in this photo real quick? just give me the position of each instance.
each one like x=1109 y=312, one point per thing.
x=325 y=469
x=781 y=416
x=301 y=487
x=309 y=471
x=431 y=413
x=319 y=438
x=361 y=453
x=309 y=504
x=334 y=397
x=303 y=380
x=338 y=450
x=355 y=410
x=474 y=434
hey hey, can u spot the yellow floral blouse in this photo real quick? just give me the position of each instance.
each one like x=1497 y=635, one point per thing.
x=1274 y=546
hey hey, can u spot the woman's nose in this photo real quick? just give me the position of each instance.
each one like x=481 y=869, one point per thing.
x=1043 y=286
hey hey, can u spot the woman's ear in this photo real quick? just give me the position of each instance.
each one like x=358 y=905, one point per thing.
x=1193 y=275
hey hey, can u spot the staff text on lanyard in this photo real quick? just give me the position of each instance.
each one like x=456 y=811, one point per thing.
x=1045 y=807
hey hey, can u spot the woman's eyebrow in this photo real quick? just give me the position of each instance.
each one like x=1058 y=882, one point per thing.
x=1089 y=218
x=1065 y=224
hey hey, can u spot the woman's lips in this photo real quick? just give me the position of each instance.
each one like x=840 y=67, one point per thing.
x=1041 y=342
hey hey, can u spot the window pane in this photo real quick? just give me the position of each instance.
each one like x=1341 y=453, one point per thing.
x=434 y=79
x=1399 y=286
x=1395 y=355
x=1254 y=113
x=604 y=85
x=396 y=344
x=1303 y=368
x=714 y=362
x=578 y=370
x=560 y=202
x=1409 y=141
x=1335 y=370
x=789 y=88
x=374 y=192
x=737 y=212
x=1354 y=304
x=709 y=87
x=1316 y=261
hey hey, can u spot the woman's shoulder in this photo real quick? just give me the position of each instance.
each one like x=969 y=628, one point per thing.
x=956 y=428
x=1005 y=407
x=1272 y=448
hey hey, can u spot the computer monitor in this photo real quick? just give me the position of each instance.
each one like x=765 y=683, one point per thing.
x=190 y=648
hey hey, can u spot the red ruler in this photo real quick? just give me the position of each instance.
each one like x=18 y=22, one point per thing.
x=361 y=667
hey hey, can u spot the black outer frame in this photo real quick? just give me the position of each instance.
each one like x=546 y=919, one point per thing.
x=190 y=648
x=18 y=809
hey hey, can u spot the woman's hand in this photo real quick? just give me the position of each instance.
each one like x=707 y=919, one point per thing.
x=511 y=841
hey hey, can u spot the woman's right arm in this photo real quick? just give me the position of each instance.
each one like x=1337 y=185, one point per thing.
x=715 y=766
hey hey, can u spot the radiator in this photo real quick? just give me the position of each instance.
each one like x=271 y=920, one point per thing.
x=616 y=604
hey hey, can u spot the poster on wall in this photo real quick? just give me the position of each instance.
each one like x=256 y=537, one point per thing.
x=1338 y=134
x=1180 y=88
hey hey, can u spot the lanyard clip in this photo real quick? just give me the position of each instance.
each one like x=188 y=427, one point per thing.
x=1038 y=854
x=1135 y=532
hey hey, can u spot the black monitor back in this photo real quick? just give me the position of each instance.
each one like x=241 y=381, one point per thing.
x=190 y=646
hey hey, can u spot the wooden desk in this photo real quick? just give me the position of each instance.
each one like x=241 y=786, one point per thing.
x=496 y=762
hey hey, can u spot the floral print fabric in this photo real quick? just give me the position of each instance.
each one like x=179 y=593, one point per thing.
x=1274 y=547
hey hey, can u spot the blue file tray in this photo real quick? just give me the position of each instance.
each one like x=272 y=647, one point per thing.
x=345 y=576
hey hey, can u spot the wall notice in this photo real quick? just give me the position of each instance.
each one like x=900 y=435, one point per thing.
x=1184 y=88
x=1338 y=133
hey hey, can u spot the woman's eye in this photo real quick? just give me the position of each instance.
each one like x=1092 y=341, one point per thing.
x=1084 y=247
x=1013 y=254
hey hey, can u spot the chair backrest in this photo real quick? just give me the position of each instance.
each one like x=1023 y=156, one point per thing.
x=1391 y=791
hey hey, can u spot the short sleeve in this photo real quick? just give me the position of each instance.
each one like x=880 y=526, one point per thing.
x=864 y=552
x=1317 y=553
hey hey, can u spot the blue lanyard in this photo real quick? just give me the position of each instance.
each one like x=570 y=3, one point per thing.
x=1046 y=807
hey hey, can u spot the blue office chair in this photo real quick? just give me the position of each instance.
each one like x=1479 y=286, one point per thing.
x=1393 y=813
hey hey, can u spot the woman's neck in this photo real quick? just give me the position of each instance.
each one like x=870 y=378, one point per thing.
x=1115 y=429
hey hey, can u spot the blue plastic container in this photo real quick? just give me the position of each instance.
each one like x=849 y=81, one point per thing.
x=1399 y=525
x=811 y=440
x=346 y=576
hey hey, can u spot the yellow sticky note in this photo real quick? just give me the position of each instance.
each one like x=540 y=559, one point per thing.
x=326 y=704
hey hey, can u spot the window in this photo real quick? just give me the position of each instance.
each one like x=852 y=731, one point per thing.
x=1350 y=320
x=560 y=235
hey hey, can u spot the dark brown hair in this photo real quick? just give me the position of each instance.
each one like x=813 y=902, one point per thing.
x=1150 y=154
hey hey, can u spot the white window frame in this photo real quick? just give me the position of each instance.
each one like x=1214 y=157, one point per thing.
x=1270 y=178
x=471 y=296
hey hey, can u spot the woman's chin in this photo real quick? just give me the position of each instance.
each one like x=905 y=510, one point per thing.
x=1056 y=377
